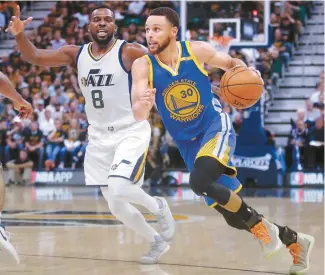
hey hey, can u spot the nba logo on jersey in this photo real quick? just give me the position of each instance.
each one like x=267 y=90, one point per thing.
x=96 y=79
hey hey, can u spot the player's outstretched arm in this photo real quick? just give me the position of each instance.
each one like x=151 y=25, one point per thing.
x=205 y=53
x=143 y=96
x=66 y=55
x=9 y=91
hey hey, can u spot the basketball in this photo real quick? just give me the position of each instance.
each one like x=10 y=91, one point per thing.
x=241 y=87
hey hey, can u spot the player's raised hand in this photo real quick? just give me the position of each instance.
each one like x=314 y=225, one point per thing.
x=147 y=99
x=16 y=25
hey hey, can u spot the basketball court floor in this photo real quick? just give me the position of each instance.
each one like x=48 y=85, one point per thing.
x=61 y=230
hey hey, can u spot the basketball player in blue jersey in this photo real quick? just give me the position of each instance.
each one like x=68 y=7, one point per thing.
x=173 y=78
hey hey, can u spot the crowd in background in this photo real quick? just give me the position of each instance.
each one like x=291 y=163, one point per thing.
x=305 y=147
x=55 y=136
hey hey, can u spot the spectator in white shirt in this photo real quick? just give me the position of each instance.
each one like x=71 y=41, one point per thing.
x=47 y=124
x=55 y=108
x=136 y=7
x=83 y=17
x=320 y=90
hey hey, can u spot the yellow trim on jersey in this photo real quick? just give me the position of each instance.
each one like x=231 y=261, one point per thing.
x=174 y=73
x=186 y=58
x=236 y=191
x=189 y=49
x=150 y=72
x=141 y=168
x=207 y=151
x=108 y=50
x=225 y=158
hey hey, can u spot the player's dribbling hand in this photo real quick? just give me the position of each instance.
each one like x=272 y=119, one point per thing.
x=16 y=26
x=256 y=71
x=23 y=107
x=148 y=98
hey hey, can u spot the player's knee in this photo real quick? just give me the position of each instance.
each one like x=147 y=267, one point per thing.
x=117 y=186
x=115 y=207
x=211 y=167
x=204 y=174
x=199 y=182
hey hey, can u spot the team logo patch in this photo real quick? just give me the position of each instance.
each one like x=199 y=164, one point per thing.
x=84 y=81
x=182 y=99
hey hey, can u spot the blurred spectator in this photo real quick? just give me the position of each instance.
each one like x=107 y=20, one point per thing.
x=34 y=145
x=237 y=122
x=82 y=16
x=316 y=145
x=279 y=44
x=80 y=155
x=136 y=7
x=55 y=108
x=54 y=145
x=58 y=41
x=152 y=168
x=311 y=113
x=20 y=169
x=319 y=90
x=61 y=97
x=171 y=156
x=46 y=125
x=295 y=149
x=71 y=144
x=2 y=21
x=3 y=137
x=15 y=139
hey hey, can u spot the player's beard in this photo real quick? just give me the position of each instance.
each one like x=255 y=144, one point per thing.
x=161 y=47
x=102 y=42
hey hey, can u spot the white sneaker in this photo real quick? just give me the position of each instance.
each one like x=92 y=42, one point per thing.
x=165 y=220
x=157 y=249
x=300 y=252
x=268 y=236
x=6 y=249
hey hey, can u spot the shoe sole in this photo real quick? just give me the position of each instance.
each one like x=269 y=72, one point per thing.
x=165 y=250
x=310 y=248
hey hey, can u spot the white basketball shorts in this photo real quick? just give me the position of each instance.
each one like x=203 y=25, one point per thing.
x=119 y=153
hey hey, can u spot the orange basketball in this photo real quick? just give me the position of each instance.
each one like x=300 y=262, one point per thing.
x=241 y=87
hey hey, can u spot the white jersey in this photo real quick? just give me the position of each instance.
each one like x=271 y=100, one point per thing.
x=117 y=143
x=106 y=87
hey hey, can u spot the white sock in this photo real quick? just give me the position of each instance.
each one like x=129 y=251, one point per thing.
x=125 y=190
x=130 y=216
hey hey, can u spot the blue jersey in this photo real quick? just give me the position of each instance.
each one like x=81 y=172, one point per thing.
x=192 y=114
x=183 y=97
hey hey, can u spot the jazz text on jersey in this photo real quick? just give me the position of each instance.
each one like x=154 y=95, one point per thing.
x=96 y=79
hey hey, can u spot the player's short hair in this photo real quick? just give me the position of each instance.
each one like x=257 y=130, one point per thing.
x=102 y=7
x=170 y=14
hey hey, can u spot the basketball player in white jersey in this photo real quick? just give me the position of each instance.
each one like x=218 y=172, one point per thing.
x=7 y=251
x=117 y=148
